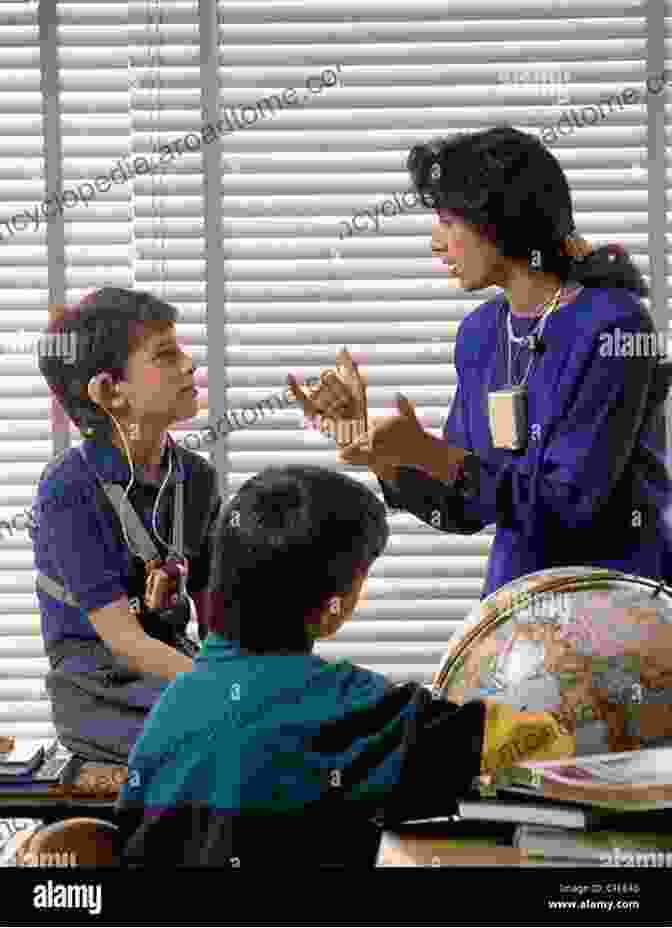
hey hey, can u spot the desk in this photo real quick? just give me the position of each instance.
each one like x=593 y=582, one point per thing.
x=48 y=810
x=93 y=793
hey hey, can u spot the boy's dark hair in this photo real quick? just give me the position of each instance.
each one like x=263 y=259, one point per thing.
x=510 y=186
x=290 y=540
x=105 y=329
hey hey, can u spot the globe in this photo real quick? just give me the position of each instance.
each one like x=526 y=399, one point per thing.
x=570 y=641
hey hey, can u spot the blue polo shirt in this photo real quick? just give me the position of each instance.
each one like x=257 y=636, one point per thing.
x=591 y=487
x=77 y=536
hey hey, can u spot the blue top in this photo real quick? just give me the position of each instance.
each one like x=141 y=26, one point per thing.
x=77 y=536
x=591 y=486
x=247 y=743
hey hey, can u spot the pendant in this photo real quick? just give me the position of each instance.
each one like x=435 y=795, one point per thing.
x=507 y=413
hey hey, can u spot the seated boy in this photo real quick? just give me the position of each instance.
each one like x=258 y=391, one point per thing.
x=114 y=624
x=266 y=754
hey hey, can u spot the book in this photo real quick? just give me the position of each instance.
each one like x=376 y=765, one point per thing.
x=595 y=806
x=57 y=763
x=522 y=813
x=525 y=807
x=600 y=847
x=56 y=769
x=25 y=757
x=643 y=776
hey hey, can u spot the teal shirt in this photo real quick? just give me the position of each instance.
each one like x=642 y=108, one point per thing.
x=257 y=738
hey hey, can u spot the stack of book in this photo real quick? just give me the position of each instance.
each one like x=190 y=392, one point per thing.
x=28 y=765
x=599 y=810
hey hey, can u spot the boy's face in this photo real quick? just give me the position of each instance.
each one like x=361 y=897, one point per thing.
x=160 y=380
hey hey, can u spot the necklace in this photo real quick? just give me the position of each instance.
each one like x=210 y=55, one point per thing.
x=532 y=339
x=568 y=292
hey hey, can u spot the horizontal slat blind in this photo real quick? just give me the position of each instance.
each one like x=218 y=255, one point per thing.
x=667 y=154
x=298 y=291
x=24 y=420
x=665 y=320
x=168 y=206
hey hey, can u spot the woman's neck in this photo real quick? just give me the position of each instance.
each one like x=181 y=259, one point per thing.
x=567 y=293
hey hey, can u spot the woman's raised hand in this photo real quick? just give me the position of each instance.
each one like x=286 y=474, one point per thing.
x=339 y=395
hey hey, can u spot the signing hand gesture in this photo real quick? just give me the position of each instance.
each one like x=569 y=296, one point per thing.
x=401 y=441
x=395 y=441
x=339 y=395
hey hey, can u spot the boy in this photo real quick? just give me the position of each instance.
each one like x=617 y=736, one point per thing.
x=267 y=754
x=114 y=599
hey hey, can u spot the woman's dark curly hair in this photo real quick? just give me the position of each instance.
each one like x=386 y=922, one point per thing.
x=289 y=541
x=105 y=328
x=510 y=186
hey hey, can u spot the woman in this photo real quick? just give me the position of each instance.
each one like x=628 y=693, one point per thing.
x=571 y=465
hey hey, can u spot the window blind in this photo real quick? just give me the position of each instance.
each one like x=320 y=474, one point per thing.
x=295 y=170
x=26 y=440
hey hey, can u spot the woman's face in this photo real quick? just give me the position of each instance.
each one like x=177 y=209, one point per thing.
x=477 y=262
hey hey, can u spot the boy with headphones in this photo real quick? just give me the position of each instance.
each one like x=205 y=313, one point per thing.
x=121 y=527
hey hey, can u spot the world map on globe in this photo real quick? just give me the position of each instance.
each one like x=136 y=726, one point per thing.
x=575 y=642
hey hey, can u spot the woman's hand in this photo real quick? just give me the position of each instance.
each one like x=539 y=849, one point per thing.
x=400 y=441
x=396 y=441
x=339 y=395
x=359 y=453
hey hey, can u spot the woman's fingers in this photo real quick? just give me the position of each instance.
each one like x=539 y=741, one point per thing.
x=305 y=400
x=335 y=396
x=330 y=397
x=351 y=373
x=356 y=383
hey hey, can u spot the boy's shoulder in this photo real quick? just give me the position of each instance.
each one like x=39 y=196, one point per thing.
x=195 y=465
x=66 y=479
x=367 y=685
x=201 y=483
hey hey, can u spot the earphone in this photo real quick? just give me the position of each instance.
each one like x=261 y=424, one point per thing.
x=98 y=380
x=101 y=378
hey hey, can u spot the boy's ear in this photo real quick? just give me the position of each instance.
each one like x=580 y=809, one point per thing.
x=96 y=385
